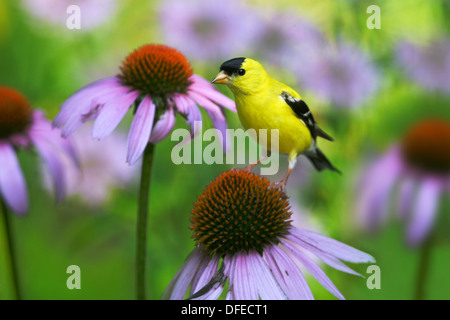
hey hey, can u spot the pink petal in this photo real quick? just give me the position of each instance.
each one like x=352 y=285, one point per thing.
x=206 y=89
x=205 y=103
x=140 y=130
x=209 y=268
x=216 y=115
x=111 y=114
x=180 y=103
x=54 y=164
x=204 y=278
x=42 y=130
x=230 y=270
x=12 y=183
x=70 y=116
x=330 y=246
x=330 y=260
x=424 y=211
x=287 y=274
x=220 y=124
x=405 y=197
x=193 y=120
x=178 y=287
x=245 y=287
x=163 y=126
x=314 y=269
x=268 y=287
x=372 y=206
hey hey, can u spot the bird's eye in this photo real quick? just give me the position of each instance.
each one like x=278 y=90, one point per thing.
x=241 y=72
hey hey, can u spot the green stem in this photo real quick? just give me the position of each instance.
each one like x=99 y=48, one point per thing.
x=424 y=265
x=10 y=249
x=142 y=215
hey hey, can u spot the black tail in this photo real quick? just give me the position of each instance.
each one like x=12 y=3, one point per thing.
x=319 y=161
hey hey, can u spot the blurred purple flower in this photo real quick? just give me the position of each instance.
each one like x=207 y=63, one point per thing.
x=208 y=29
x=100 y=170
x=285 y=37
x=21 y=127
x=160 y=82
x=427 y=65
x=414 y=174
x=241 y=220
x=92 y=12
x=343 y=75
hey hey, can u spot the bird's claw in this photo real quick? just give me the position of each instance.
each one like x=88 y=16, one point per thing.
x=280 y=185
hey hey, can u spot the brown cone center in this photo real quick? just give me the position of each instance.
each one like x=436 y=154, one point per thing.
x=15 y=112
x=426 y=146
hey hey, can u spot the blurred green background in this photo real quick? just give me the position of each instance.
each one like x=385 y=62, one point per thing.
x=48 y=62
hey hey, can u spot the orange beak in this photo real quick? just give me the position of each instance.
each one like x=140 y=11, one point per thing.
x=221 y=78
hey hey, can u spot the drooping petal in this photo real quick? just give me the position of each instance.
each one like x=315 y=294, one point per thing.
x=373 y=202
x=230 y=270
x=424 y=211
x=405 y=197
x=287 y=274
x=268 y=287
x=331 y=260
x=217 y=117
x=140 y=130
x=193 y=119
x=163 y=126
x=110 y=94
x=42 y=130
x=205 y=103
x=245 y=287
x=209 y=268
x=80 y=100
x=70 y=115
x=178 y=287
x=206 y=89
x=209 y=284
x=111 y=114
x=220 y=124
x=179 y=102
x=51 y=158
x=330 y=246
x=314 y=269
x=194 y=115
x=12 y=182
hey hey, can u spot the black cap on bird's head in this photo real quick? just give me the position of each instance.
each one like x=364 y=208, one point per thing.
x=230 y=68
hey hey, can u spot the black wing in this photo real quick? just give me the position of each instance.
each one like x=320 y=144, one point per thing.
x=302 y=111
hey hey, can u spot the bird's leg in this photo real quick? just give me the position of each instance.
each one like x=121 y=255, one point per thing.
x=283 y=182
x=250 y=167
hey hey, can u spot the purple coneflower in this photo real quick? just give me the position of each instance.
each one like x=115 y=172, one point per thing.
x=159 y=82
x=284 y=37
x=343 y=75
x=417 y=173
x=244 y=237
x=208 y=29
x=21 y=127
x=427 y=65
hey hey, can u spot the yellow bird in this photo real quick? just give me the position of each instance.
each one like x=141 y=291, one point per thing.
x=265 y=103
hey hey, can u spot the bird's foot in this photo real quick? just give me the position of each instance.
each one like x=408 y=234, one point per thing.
x=280 y=185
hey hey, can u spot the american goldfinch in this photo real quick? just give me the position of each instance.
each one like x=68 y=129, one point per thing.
x=265 y=103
